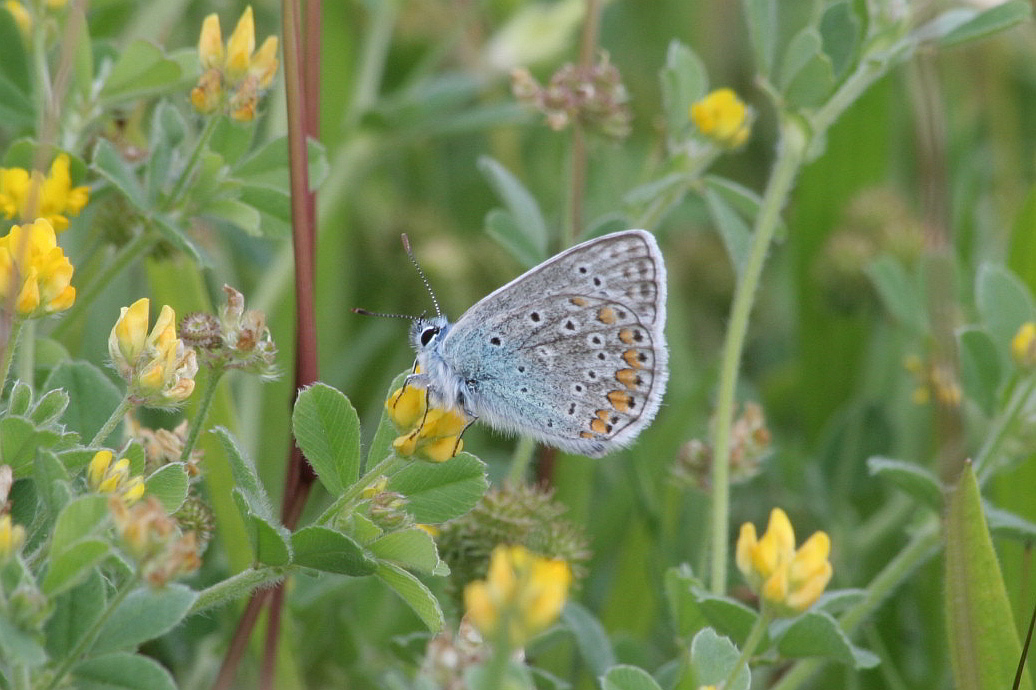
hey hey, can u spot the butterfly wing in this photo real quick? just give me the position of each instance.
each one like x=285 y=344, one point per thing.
x=572 y=352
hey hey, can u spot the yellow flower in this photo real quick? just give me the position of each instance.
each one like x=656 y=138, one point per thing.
x=723 y=117
x=106 y=477
x=11 y=538
x=522 y=595
x=245 y=71
x=1023 y=346
x=788 y=580
x=160 y=370
x=433 y=434
x=31 y=196
x=35 y=271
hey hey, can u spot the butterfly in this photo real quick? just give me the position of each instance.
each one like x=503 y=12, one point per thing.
x=572 y=353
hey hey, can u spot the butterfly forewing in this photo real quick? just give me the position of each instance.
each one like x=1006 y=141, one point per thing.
x=572 y=352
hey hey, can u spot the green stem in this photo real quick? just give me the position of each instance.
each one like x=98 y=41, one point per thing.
x=236 y=586
x=388 y=467
x=754 y=638
x=202 y=412
x=27 y=362
x=12 y=345
x=87 y=639
x=522 y=459
x=789 y=158
x=129 y=252
x=109 y=426
x=188 y=172
x=921 y=547
x=984 y=464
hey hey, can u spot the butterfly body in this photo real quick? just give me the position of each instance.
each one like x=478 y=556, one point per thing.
x=571 y=353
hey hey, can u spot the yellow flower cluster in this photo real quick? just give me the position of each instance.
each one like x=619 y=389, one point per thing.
x=34 y=271
x=11 y=538
x=154 y=541
x=158 y=367
x=106 y=477
x=1023 y=346
x=789 y=581
x=723 y=117
x=232 y=79
x=29 y=196
x=432 y=434
x=522 y=595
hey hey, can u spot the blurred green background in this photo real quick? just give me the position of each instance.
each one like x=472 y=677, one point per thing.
x=415 y=92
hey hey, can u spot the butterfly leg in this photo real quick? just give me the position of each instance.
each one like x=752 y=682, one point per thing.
x=456 y=446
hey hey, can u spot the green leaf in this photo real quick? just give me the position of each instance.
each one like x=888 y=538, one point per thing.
x=899 y=292
x=323 y=548
x=761 y=16
x=418 y=597
x=984 y=645
x=19 y=399
x=274 y=207
x=14 y=60
x=140 y=70
x=68 y=567
x=502 y=226
x=807 y=75
x=840 y=35
x=268 y=165
x=411 y=548
x=817 y=634
x=168 y=130
x=625 y=677
x=727 y=615
x=245 y=477
x=235 y=212
x=143 y=615
x=15 y=643
x=49 y=407
x=121 y=671
x=979 y=367
x=231 y=139
x=52 y=481
x=439 y=492
x=684 y=80
x=169 y=485
x=109 y=164
x=1004 y=303
x=989 y=21
x=836 y=601
x=85 y=516
x=269 y=540
x=591 y=639
x=736 y=235
x=679 y=583
x=519 y=202
x=16 y=107
x=713 y=658
x=742 y=199
x=1021 y=255
x=1004 y=523
x=93 y=396
x=74 y=613
x=327 y=430
x=914 y=480
x=174 y=235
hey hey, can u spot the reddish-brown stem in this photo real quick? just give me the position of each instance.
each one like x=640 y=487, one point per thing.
x=239 y=642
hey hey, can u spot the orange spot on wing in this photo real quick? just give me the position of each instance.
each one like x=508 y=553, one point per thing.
x=621 y=400
x=606 y=315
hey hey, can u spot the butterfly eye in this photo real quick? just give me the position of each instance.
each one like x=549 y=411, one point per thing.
x=429 y=333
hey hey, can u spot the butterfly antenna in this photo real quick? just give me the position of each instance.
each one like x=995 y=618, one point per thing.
x=367 y=312
x=424 y=279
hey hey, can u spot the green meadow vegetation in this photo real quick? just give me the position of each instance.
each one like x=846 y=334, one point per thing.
x=214 y=473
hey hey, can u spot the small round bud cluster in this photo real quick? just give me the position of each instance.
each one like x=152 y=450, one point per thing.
x=750 y=441
x=593 y=96
x=237 y=339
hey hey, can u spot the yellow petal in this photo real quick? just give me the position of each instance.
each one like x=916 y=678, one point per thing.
x=210 y=43
x=134 y=489
x=130 y=330
x=29 y=296
x=746 y=543
x=98 y=466
x=264 y=62
x=240 y=46
x=406 y=406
